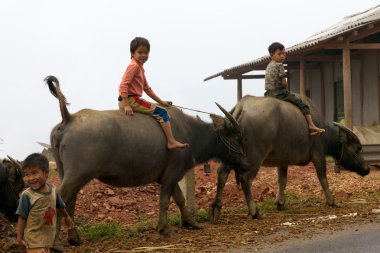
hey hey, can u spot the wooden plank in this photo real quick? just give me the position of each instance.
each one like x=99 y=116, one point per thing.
x=371 y=153
x=361 y=85
x=347 y=87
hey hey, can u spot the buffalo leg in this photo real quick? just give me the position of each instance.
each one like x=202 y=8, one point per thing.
x=214 y=210
x=186 y=217
x=246 y=183
x=165 y=193
x=320 y=165
x=282 y=174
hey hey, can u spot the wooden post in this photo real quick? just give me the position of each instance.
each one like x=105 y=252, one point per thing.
x=239 y=89
x=302 y=77
x=347 y=86
x=323 y=90
x=187 y=185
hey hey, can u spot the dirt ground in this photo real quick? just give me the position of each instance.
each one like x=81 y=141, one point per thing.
x=306 y=215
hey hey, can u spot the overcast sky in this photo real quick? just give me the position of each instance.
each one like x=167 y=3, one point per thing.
x=85 y=44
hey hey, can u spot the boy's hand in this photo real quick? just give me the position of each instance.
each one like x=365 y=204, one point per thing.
x=22 y=243
x=68 y=222
x=128 y=110
x=166 y=103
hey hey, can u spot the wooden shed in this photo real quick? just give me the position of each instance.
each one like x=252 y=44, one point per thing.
x=338 y=68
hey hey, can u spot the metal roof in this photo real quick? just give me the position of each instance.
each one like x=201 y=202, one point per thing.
x=349 y=23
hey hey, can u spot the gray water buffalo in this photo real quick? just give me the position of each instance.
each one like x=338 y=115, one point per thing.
x=126 y=151
x=275 y=133
x=11 y=184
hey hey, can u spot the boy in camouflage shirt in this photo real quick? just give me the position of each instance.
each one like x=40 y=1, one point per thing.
x=276 y=84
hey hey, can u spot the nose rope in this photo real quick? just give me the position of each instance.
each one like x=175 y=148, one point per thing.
x=181 y=107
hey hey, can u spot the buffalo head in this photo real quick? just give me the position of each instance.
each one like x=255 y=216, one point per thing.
x=231 y=138
x=11 y=184
x=350 y=156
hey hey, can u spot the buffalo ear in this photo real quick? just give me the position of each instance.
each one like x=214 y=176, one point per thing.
x=218 y=122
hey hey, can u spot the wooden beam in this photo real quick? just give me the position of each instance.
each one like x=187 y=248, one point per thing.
x=366 y=31
x=352 y=46
x=317 y=58
x=239 y=89
x=364 y=46
x=347 y=86
x=244 y=77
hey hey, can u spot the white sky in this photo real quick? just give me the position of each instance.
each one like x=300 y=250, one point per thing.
x=85 y=44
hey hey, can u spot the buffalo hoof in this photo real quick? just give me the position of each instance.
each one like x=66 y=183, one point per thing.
x=256 y=215
x=164 y=230
x=214 y=213
x=73 y=237
x=334 y=204
x=280 y=207
x=191 y=224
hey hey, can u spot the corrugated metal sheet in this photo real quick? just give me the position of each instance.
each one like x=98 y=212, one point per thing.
x=347 y=24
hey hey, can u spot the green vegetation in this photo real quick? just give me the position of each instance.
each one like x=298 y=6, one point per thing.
x=201 y=215
x=174 y=219
x=140 y=227
x=102 y=231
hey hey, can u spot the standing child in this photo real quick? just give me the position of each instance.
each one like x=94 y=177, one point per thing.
x=38 y=207
x=276 y=84
x=134 y=83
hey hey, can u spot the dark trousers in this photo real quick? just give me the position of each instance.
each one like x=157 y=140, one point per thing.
x=285 y=95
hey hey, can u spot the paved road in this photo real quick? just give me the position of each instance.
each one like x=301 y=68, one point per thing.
x=357 y=239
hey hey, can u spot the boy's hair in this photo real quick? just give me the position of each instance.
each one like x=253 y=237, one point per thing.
x=138 y=42
x=36 y=160
x=274 y=46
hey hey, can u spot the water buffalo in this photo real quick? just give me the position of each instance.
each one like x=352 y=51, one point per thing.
x=11 y=184
x=126 y=151
x=275 y=133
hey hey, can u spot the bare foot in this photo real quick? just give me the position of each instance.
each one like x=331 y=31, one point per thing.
x=177 y=144
x=316 y=130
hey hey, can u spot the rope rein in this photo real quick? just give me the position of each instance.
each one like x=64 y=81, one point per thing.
x=181 y=107
x=225 y=140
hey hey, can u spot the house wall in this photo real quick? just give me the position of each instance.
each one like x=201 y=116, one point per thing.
x=368 y=63
x=328 y=72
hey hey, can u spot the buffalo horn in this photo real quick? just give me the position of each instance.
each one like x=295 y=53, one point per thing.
x=17 y=163
x=229 y=116
x=347 y=130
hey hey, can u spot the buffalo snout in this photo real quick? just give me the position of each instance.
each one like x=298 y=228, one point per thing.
x=364 y=171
